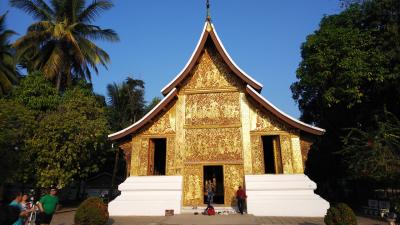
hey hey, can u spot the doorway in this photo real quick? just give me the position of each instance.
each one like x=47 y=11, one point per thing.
x=272 y=156
x=157 y=156
x=214 y=174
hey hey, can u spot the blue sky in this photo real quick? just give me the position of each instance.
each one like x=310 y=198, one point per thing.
x=158 y=37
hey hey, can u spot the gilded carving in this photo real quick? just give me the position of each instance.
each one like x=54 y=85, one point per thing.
x=212 y=108
x=286 y=154
x=296 y=158
x=164 y=124
x=211 y=72
x=233 y=178
x=171 y=170
x=136 y=150
x=257 y=155
x=143 y=157
x=192 y=185
x=211 y=145
x=245 y=122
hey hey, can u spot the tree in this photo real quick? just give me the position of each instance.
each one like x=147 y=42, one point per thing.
x=373 y=152
x=60 y=44
x=350 y=71
x=37 y=93
x=152 y=104
x=17 y=125
x=126 y=102
x=70 y=143
x=8 y=72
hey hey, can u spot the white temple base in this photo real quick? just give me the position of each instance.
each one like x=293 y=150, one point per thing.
x=147 y=196
x=283 y=195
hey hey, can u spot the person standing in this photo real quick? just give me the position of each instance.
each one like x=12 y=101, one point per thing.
x=240 y=196
x=47 y=206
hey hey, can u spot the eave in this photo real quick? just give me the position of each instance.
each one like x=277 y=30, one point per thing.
x=146 y=118
x=281 y=115
x=209 y=31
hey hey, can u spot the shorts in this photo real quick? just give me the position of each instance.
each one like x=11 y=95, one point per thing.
x=43 y=218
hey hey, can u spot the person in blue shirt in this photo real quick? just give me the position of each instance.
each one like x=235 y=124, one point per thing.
x=16 y=203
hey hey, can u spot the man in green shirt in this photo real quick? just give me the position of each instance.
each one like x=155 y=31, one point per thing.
x=47 y=206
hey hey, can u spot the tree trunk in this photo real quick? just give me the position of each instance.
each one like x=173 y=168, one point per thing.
x=58 y=85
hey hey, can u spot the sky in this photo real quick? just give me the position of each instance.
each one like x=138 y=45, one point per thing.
x=157 y=38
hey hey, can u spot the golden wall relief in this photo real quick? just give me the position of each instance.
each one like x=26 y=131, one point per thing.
x=163 y=124
x=305 y=142
x=245 y=121
x=180 y=134
x=286 y=154
x=211 y=72
x=212 y=109
x=170 y=164
x=193 y=185
x=135 y=160
x=233 y=178
x=213 y=145
x=257 y=154
x=297 y=160
x=143 y=157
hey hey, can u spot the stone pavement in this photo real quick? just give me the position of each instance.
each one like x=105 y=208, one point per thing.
x=67 y=218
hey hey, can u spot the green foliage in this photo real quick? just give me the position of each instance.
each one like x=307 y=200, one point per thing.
x=126 y=103
x=341 y=214
x=69 y=142
x=91 y=212
x=17 y=124
x=60 y=44
x=152 y=104
x=349 y=72
x=8 y=71
x=37 y=93
x=373 y=152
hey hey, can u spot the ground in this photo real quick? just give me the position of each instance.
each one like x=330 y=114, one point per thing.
x=67 y=218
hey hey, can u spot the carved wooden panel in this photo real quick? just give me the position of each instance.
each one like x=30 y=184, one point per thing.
x=143 y=157
x=163 y=124
x=211 y=145
x=233 y=178
x=171 y=168
x=212 y=109
x=257 y=154
x=135 y=161
x=193 y=185
x=286 y=154
x=297 y=158
x=211 y=72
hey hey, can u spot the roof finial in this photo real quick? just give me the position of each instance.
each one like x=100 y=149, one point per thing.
x=208 y=18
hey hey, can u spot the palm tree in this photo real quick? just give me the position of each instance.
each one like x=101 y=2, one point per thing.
x=8 y=73
x=60 y=43
x=126 y=102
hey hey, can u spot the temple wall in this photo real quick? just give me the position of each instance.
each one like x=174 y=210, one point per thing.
x=213 y=122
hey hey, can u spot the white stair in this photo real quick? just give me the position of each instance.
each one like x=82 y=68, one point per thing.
x=147 y=196
x=283 y=195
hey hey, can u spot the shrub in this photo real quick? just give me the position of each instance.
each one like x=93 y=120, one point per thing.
x=341 y=214
x=92 y=211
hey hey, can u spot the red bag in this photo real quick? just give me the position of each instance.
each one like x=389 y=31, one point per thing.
x=210 y=211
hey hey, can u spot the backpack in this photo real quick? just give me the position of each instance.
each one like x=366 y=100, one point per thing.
x=210 y=211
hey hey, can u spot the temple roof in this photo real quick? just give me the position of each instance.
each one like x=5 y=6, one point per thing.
x=209 y=31
x=253 y=88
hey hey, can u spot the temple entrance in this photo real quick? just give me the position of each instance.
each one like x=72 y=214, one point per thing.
x=215 y=175
x=272 y=156
x=157 y=156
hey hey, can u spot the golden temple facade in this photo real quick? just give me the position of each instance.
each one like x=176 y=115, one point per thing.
x=213 y=124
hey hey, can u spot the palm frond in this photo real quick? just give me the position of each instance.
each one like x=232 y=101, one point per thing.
x=96 y=33
x=38 y=9
x=94 y=10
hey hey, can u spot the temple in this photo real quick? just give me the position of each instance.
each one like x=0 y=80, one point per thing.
x=213 y=125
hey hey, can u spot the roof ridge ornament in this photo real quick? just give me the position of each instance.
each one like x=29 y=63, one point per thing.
x=208 y=17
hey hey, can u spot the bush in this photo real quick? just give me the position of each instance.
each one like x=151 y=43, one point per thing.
x=92 y=211
x=341 y=214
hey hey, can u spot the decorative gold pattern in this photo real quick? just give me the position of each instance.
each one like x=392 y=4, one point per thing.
x=296 y=157
x=212 y=109
x=286 y=154
x=136 y=150
x=210 y=145
x=245 y=114
x=192 y=185
x=164 y=124
x=211 y=72
x=143 y=157
x=233 y=178
x=257 y=154
x=171 y=170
